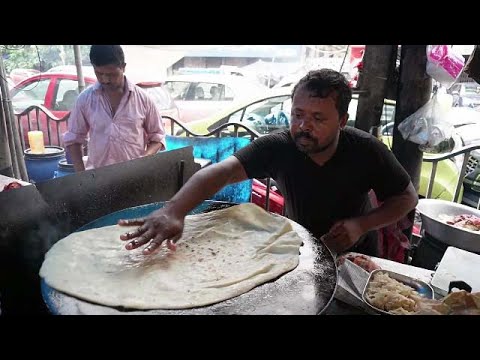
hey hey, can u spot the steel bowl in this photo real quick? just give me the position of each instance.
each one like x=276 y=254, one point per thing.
x=431 y=210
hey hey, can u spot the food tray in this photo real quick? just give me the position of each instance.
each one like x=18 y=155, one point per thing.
x=419 y=286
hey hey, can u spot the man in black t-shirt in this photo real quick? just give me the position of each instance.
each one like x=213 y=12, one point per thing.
x=324 y=170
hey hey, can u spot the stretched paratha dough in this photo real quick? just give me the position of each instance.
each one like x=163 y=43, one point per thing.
x=221 y=254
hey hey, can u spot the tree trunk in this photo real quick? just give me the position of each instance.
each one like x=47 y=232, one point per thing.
x=414 y=91
x=377 y=65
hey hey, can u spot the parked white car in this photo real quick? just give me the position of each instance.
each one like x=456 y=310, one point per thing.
x=200 y=95
x=465 y=94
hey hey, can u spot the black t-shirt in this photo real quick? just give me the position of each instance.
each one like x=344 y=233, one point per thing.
x=318 y=196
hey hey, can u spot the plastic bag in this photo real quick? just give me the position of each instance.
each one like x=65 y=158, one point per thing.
x=444 y=64
x=429 y=127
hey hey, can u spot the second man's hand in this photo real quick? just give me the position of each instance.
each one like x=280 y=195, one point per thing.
x=156 y=228
x=343 y=234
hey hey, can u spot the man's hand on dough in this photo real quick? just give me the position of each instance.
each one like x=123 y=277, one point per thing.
x=156 y=228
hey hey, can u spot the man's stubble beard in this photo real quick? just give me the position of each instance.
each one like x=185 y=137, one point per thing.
x=315 y=148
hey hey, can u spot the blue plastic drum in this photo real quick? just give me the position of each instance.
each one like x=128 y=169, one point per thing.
x=42 y=167
x=64 y=169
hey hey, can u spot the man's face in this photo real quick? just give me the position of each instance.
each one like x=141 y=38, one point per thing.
x=315 y=122
x=110 y=76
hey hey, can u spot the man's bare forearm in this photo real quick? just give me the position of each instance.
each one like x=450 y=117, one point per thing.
x=205 y=183
x=153 y=148
x=391 y=211
x=76 y=154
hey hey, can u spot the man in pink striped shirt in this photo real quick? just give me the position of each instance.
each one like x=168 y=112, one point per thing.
x=121 y=120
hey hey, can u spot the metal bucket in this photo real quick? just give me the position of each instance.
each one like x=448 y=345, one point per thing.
x=431 y=210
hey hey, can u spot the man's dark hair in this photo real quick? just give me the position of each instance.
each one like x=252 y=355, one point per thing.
x=101 y=55
x=322 y=83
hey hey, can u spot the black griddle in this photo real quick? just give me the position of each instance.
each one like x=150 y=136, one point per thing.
x=306 y=290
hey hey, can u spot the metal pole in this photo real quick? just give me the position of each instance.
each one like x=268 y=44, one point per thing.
x=270 y=73
x=7 y=124
x=5 y=158
x=10 y=140
x=78 y=64
x=15 y=144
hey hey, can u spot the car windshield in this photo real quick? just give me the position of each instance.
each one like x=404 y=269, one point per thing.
x=262 y=116
x=178 y=89
x=30 y=94
x=269 y=115
x=471 y=90
x=160 y=96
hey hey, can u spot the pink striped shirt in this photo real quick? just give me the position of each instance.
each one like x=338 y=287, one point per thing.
x=119 y=138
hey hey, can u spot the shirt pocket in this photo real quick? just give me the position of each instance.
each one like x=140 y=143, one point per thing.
x=129 y=129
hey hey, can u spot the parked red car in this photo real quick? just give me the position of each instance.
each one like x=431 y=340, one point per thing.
x=57 y=92
x=18 y=75
x=259 y=197
x=47 y=90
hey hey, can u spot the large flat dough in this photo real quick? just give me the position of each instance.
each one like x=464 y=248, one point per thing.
x=221 y=254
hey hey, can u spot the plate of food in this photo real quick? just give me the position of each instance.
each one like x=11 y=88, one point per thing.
x=391 y=293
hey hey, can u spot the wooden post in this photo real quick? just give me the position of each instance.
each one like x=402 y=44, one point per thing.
x=6 y=166
x=373 y=81
x=12 y=144
x=414 y=91
x=78 y=64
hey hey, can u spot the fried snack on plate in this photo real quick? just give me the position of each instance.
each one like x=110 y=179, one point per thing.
x=431 y=307
x=463 y=303
x=364 y=261
x=390 y=295
x=12 y=185
x=455 y=303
